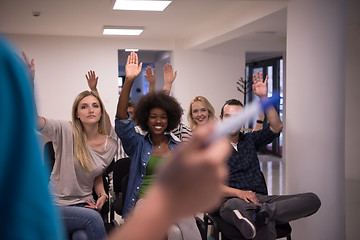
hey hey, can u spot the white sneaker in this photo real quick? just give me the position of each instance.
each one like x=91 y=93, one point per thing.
x=244 y=225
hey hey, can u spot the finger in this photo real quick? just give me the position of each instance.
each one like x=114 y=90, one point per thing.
x=175 y=75
x=136 y=59
x=25 y=57
x=266 y=79
x=261 y=76
x=257 y=75
x=246 y=200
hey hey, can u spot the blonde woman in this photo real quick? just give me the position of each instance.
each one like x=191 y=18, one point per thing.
x=200 y=112
x=83 y=150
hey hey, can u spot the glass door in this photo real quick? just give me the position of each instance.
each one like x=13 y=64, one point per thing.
x=274 y=69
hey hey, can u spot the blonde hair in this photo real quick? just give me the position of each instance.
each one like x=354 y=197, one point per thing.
x=81 y=149
x=207 y=105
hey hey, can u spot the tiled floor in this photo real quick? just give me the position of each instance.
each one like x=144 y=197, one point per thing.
x=274 y=171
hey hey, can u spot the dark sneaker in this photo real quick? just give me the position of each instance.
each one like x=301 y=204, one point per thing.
x=244 y=225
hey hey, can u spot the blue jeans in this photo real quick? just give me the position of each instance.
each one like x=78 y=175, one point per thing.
x=83 y=223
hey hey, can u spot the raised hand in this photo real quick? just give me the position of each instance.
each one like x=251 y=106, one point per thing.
x=169 y=75
x=92 y=80
x=132 y=68
x=150 y=75
x=30 y=65
x=260 y=87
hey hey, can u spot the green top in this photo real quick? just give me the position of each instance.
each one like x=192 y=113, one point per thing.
x=151 y=167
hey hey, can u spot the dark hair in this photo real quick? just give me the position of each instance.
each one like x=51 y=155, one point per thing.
x=158 y=99
x=231 y=102
x=131 y=104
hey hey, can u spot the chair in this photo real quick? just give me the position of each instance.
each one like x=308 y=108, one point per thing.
x=49 y=156
x=230 y=232
x=120 y=179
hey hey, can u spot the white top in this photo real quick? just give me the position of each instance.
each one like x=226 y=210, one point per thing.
x=71 y=183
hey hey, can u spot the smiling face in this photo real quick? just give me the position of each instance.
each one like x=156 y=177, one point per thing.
x=230 y=111
x=89 y=110
x=157 y=121
x=199 y=113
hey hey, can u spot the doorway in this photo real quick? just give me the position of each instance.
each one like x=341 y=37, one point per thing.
x=273 y=68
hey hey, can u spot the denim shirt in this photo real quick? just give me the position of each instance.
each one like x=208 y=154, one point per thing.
x=139 y=149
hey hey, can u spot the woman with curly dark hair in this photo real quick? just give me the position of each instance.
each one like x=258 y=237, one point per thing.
x=158 y=99
x=158 y=114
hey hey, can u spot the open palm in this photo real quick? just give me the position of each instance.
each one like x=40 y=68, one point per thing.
x=260 y=86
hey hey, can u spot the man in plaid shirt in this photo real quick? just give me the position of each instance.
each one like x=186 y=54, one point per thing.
x=247 y=205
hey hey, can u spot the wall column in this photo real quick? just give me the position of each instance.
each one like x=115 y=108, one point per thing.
x=315 y=108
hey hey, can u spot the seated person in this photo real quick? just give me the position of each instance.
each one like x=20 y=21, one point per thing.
x=83 y=150
x=157 y=113
x=247 y=206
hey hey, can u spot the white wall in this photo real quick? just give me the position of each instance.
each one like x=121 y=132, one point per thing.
x=315 y=115
x=61 y=65
x=62 y=62
x=211 y=75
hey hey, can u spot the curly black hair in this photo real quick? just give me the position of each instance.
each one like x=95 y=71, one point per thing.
x=158 y=99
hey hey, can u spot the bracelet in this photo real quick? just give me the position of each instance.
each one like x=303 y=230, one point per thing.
x=103 y=194
x=260 y=121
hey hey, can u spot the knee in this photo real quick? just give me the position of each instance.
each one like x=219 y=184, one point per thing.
x=174 y=233
x=79 y=235
x=315 y=200
x=92 y=215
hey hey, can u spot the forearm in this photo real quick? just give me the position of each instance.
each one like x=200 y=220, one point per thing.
x=229 y=191
x=259 y=122
x=275 y=122
x=40 y=120
x=167 y=88
x=124 y=99
x=99 y=186
x=151 y=87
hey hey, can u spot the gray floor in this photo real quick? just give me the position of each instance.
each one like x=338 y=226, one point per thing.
x=274 y=171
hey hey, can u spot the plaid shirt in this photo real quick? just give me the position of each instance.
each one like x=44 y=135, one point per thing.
x=244 y=166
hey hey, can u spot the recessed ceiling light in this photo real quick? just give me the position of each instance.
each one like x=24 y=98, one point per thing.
x=131 y=50
x=127 y=31
x=141 y=5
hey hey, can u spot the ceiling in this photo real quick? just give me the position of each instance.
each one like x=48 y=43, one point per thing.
x=194 y=23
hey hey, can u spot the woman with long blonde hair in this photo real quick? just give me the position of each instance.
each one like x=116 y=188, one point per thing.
x=83 y=150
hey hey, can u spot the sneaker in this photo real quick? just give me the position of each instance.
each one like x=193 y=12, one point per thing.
x=244 y=225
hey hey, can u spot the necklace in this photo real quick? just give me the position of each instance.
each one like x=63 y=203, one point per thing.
x=158 y=147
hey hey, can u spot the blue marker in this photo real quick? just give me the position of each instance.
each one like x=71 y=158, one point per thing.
x=246 y=113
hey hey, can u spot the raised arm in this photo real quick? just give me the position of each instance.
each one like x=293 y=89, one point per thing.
x=260 y=90
x=259 y=122
x=132 y=70
x=188 y=183
x=169 y=77
x=31 y=68
x=92 y=81
x=150 y=77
